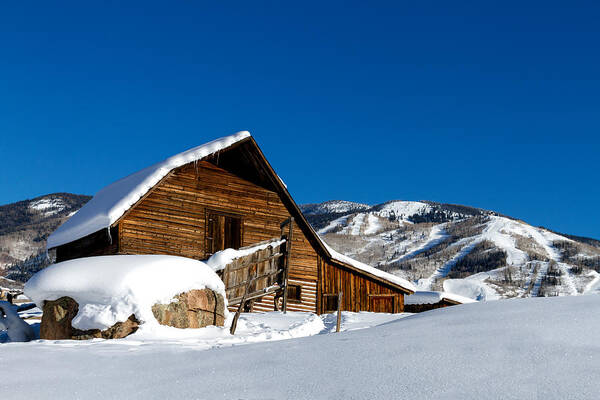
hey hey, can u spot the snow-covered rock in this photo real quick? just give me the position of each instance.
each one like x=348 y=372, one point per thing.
x=16 y=329
x=108 y=289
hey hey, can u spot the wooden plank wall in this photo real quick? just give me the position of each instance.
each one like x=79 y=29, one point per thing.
x=237 y=273
x=360 y=293
x=171 y=220
x=417 y=308
x=308 y=303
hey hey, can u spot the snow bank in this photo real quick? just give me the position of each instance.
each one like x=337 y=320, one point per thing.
x=220 y=259
x=16 y=329
x=109 y=289
x=110 y=203
x=541 y=348
x=469 y=288
x=432 y=297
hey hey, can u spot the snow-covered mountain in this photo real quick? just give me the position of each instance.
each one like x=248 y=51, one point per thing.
x=463 y=250
x=24 y=227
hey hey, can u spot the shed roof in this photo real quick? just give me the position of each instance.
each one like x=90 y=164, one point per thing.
x=110 y=204
x=432 y=297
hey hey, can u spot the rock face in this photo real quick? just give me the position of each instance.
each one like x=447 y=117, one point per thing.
x=193 y=309
x=57 y=317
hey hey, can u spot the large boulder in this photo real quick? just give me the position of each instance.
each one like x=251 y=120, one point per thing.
x=57 y=317
x=193 y=309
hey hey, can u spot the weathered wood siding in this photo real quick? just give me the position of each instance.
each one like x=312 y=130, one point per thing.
x=417 y=308
x=360 y=293
x=171 y=219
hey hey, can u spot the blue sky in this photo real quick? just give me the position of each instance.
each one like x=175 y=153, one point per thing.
x=495 y=106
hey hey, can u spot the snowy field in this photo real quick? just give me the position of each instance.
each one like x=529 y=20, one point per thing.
x=541 y=348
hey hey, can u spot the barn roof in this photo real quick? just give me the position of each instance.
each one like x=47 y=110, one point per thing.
x=111 y=202
x=107 y=207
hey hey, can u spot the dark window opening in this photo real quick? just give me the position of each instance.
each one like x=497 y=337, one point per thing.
x=330 y=303
x=223 y=231
x=294 y=293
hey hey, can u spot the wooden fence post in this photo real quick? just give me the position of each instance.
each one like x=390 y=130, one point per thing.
x=339 y=311
x=242 y=303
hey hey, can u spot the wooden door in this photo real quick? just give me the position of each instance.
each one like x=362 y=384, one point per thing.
x=223 y=231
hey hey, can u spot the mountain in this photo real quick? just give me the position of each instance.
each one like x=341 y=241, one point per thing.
x=24 y=229
x=464 y=250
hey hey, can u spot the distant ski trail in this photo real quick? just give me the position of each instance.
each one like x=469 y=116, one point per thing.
x=538 y=280
x=436 y=236
x=333 y=224
x=590 y=286
x=356 y=224
x=441 y=272
x=568 y=279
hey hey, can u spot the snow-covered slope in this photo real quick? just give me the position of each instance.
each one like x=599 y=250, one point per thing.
x=486 y=255
x=24 y=227
x=518 y=349
x=332 y=207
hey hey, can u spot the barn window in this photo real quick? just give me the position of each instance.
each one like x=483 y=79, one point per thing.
x=223 y=231
x=294 y=293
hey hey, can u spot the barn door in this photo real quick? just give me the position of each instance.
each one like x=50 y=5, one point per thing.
x=223 y=231
x=383 y=303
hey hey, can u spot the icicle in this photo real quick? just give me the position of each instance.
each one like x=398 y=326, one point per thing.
x=47 y=256
x=109 y=235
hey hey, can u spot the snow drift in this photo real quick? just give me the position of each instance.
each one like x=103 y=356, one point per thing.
x=16 y=329
x=109 y=289
x=542 y=348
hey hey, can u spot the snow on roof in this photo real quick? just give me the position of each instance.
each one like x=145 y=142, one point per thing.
x=111 y=202
x=109 y=289
x=367 y=268
x=431 y=297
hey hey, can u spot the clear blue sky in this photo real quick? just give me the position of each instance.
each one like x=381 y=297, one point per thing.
x=495 y=106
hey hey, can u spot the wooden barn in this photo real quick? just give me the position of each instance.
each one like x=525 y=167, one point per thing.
x=421 y=301
x=221 y=195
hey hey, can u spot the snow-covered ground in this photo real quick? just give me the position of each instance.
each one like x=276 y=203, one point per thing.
x=514 y=349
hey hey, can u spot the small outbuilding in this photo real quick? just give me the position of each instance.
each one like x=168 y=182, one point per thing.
x=225 y=194
x=430 y=300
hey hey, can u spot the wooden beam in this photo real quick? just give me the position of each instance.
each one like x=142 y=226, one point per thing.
x=239 y=310
x=286 y=271
x=339 y=312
